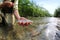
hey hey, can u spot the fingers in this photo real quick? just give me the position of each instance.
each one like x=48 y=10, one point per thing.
x=6 y=2
x=24 y=23
x=9 y=4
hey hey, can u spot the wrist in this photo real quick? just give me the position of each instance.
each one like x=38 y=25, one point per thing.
x=18 y=18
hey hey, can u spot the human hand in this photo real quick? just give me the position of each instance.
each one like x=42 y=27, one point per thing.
x=8 y=4
x=24 y=22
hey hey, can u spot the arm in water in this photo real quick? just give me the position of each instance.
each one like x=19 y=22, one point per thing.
x=21 y=20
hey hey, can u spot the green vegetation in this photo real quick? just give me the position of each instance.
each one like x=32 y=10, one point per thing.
x=27 y=8
x=57 y=12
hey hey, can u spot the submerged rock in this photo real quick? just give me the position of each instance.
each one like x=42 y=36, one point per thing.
x=57 y=36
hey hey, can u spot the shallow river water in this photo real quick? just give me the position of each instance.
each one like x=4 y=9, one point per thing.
x=48 y=28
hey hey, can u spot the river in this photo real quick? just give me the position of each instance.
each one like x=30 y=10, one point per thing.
x=47 y=27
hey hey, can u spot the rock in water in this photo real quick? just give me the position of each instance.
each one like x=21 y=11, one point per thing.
x=57 y=36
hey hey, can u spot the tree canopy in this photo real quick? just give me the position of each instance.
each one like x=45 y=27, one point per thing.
x=27 y=8
x=57 y=12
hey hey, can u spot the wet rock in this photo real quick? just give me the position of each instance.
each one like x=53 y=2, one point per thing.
x=57 y=36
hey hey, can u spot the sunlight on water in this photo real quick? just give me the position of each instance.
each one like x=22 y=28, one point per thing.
x=51 y=29
x=53 y=20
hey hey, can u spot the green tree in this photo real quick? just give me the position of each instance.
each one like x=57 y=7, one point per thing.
x=57 y=12
x=27 y=8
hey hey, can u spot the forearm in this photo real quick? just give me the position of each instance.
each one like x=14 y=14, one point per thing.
x=16 y=13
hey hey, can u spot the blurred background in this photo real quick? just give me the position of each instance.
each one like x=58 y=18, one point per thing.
x=39 y=8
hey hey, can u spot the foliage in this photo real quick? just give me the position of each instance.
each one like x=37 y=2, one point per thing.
x=27 y=8
x=57 y=12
